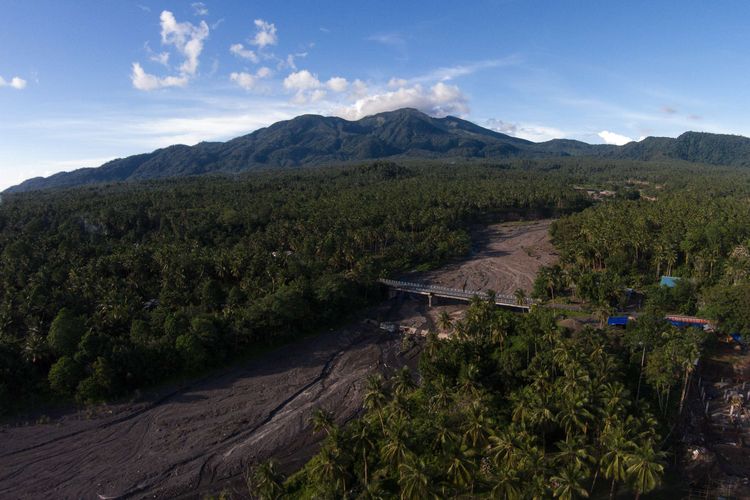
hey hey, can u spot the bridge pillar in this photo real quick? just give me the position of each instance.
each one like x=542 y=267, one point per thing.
x=430 y=298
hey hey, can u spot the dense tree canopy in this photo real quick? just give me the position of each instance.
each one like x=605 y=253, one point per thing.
x=508 y=407
x=106 y=289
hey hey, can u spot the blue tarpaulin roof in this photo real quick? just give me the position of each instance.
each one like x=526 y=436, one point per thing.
x=617 y=320
x=669 y=281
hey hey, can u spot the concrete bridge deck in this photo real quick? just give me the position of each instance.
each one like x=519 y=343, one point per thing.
x=456 y=294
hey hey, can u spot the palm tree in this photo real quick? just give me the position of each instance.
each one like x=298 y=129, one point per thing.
x=601 y=313
x=549 y=281
x=431 y=344
x=330 y=467
x=671 y=258
x=445 y=438
x=265 y=481
x=506 y=485
x=445 y=321
x=645 y=468
x=520 y=297
x=461 y=471
x=394 y=450
x=574 y=417
x=322 y=420
x=363 y=444
x=375 y=397
x=477 y=426
x=503 y=450
x=35 y=348
x=691 y=352
x=414 y=480
x=442 y=396
x=568 y=483
x=573 y=451
x=404 y=382
x=617 y=447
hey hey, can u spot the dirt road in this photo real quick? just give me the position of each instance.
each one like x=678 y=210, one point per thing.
x=506 y=257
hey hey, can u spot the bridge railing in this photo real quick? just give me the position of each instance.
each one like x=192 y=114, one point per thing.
x=453 y=292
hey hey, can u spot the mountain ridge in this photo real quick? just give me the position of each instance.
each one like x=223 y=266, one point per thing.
x=315 y=140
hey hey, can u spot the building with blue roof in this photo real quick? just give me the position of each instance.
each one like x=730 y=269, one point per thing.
x=669 y=281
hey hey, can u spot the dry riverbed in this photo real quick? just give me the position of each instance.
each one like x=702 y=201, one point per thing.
x=201 y=437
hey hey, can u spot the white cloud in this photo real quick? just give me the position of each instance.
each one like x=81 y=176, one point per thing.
x=501 y=126
x=191 y=130
x=452 y=72
x=240 y=51
x=438 y=100
x=301 y=80
x=247 y=80
x=187 y=39
x=161 y=58
x=146 y=81
x=388 y=39
x=264 y=72
x=337 y=84
x=307 y=87
x=265 y=35
x=613 y=138
x=530 y=132
x=359 y=88
x=18 y=83
x=395 y=83
x=290 y=62
x=244 y=80
x=317 y=95
x=539 y=133
x=15 y=82
x=199 y=8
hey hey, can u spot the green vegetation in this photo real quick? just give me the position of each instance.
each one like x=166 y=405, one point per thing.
x=514 y=407
x=510 y=406
x=397 y=135
x=111 y=288
x=108 y=289
x=699 y=232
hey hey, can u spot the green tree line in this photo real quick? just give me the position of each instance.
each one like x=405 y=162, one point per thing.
x=106 y=289
x=509 y=406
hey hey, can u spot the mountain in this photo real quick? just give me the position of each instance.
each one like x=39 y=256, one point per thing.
x=315 y=140
x=700 y=147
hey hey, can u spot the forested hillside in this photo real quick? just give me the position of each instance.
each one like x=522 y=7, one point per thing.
x=106 y=289
x=405 y=133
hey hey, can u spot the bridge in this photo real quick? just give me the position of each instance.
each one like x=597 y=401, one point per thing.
x=432 y=291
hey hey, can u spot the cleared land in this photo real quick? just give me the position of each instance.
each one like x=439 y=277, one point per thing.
x=715 y=458
x=197 y=438
x=202 y=435
x=506 y=257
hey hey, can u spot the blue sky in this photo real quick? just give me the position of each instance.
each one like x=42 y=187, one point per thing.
x=87 y=81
